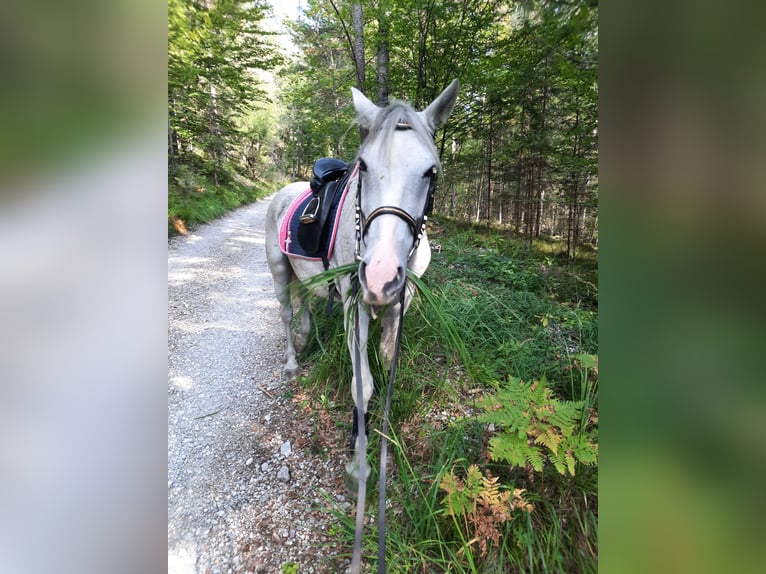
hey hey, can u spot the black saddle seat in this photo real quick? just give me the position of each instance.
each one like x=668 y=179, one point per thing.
x=327 y=169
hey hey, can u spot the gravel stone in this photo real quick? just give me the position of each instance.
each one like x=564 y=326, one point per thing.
x=230 y=414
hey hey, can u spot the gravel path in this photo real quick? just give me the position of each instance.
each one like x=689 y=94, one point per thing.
x=245 y=491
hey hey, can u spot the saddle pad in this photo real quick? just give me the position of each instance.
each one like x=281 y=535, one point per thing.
x=288 y=233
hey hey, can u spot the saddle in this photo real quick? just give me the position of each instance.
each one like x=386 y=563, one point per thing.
x=330 y=177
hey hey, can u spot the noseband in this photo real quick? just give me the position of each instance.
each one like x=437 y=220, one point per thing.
x=417 y=227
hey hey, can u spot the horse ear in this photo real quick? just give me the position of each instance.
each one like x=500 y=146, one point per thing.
x=366 y=111
x=440 y=109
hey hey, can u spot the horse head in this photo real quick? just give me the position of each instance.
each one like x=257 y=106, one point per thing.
x=398 y=163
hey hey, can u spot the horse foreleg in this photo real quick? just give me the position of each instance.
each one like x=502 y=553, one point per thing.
x=355 y=428
x=389 y=327
x=357 y=346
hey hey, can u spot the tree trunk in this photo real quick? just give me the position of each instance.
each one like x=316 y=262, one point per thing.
x=574 y=219
x=539 y=212
x=569 y=232
x=478 y=195
x=539 y=198
x=541 y=159
x=358 y=53
x=490 y=135
x=424 y=19
x=383 y=53
x=172 y=143
x=215 y=130
x=501 y=203
x=358 y=46
x=517 y=195
x=528 y=205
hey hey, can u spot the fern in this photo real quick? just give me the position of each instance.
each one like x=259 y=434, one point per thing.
x=461 y=495
x=482 y=503
x=549 y=438
x=535 y=426
x=516 y=451
x=565 y=416
x=585 y=450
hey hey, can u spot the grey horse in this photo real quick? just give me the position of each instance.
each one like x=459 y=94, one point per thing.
x=389 y=192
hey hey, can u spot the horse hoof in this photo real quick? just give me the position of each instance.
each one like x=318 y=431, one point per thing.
x=351 y=478
x=292 y=372
x=351 y=482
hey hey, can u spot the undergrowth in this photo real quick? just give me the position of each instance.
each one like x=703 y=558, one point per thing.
x=495 y=414
x=194 y=197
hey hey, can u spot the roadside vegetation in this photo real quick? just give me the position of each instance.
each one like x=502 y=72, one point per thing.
x=221 y=116
x=194 y=197
x=495 y=444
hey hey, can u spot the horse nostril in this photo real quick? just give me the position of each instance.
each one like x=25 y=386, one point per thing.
x=379 y=284
x=395 y=285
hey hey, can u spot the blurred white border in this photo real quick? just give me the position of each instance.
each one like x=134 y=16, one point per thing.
x=83 y=309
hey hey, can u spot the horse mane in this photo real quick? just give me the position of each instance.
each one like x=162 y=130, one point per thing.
x=391 y=119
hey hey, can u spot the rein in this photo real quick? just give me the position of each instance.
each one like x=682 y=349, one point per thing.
x=361 y=437
x=384 y=444
x=362 y=491
x=418 y=229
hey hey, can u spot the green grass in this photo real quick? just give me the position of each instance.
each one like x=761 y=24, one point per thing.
x=194 y=198
x=490 y=307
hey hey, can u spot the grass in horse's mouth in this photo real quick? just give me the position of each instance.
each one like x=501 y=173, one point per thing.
x=375 y=309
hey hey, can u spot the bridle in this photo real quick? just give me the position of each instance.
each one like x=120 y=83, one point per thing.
x=362 y=224
x=417 y=226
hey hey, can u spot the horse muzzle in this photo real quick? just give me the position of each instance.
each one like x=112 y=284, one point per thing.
x=381 y=284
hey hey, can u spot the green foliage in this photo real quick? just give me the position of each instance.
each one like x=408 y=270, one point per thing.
x=290 y=568
x=193 y=198
x=469 y=327
x=214 y=130
x=318 y=116
x=520 y=312
x=535 y=426
x=521 y=146
x=479 y=501
x=216 y=139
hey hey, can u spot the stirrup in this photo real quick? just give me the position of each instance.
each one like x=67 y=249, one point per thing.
x=310 y=212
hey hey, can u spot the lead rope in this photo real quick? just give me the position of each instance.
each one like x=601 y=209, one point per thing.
x=384 y=444
x=356 y=561
x=362 y=489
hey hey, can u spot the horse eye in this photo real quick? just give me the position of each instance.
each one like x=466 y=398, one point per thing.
x=362 y=165
x=430 y=172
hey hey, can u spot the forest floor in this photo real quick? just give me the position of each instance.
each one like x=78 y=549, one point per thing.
x=245 y=492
